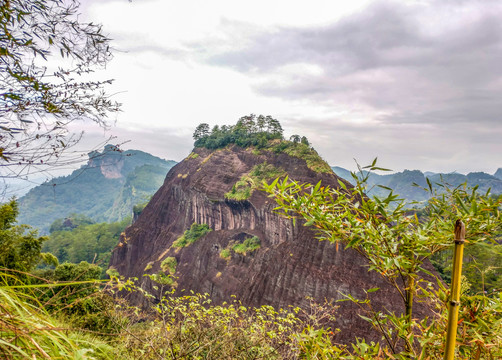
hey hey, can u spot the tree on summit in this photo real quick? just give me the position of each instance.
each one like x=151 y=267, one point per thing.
x=250 y=130
x=202 y=130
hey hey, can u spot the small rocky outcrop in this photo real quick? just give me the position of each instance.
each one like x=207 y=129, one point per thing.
x=290 y=263
x=498 y=173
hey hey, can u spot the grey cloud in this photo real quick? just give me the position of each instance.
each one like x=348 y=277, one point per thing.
x=388 y=57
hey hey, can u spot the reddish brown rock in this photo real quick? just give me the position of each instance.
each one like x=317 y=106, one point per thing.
x=291 y=264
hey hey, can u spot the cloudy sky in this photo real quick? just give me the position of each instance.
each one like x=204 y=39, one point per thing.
x=416 y=83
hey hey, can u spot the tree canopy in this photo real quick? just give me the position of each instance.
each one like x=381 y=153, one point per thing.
x=21 y=247
x=250 y=130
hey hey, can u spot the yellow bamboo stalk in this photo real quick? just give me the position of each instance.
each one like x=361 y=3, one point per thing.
x=451 y=334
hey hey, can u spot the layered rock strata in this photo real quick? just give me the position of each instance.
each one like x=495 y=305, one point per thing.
x=290 y=266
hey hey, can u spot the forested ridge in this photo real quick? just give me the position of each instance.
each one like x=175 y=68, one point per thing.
x=104 y=189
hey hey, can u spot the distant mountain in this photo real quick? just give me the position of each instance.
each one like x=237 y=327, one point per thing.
x=402 y=182
x=104 y=189
x=16 y=187
x=498 y=173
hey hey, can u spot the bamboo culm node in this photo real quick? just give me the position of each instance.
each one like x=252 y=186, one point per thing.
x=451 y=334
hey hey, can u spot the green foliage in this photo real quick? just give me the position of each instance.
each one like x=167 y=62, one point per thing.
x=249 y=245
x=191 y=327
x=396 y=244
x=303 y=151
x=88 y=242
x=243 y=189
x=191 y=235
x=225 y=254
x=250 y=130
x=138 y=209
x=193 y=155
x=71 y=222
x=28 y=331
x=169 y=265
x=37 y=106
x=21 y=248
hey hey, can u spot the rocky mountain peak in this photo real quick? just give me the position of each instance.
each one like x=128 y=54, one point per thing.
x=225 y=239
x=110 y=162
x=498 y=173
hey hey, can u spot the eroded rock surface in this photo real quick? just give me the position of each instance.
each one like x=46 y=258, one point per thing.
x=291 y=264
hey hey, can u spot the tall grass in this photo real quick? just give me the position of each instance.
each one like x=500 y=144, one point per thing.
x=28 y=331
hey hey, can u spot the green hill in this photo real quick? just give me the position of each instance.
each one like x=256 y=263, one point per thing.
x=105 y=189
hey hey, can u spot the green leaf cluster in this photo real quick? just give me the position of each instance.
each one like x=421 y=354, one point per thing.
x=249 y=245
x=21 y=248
x=169 y=265
x=243 y=189
x=250 y=130
x=191 y=235
x=86 y=242
x=396 y=243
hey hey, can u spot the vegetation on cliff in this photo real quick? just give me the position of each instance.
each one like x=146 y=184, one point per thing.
x=262 y=133
x=191 y=235
x=249 y=182
x=302 y=151
x=247 y=246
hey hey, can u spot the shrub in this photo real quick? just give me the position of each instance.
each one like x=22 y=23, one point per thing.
x=191 y=235
x=169 y=265
x=249 y=245
x=191 y=327
x=225 y=254
x=243 y=188
x=28 y=331
x=305 y=152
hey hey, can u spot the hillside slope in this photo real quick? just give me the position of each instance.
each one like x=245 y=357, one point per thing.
x=249 y=252
x=105 y=189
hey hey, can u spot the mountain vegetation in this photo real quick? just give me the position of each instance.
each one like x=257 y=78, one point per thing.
x=75 y=239
x=260 y=133
x=105 y=189
x=243 y=188
x=191 y=235
x=55 y=304
x=250 y=130
x=398 y=244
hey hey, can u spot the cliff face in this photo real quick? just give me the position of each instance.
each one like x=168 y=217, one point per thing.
x=291 y=263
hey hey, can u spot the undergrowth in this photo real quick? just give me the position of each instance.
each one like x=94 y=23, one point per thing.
x=301 y=151
x=191 y=235
x=249 y=182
